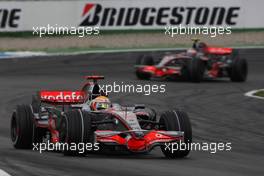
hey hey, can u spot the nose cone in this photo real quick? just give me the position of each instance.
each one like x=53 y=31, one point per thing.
x=134 y=144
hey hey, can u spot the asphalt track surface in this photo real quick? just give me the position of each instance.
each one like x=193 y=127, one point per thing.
x=218 y=110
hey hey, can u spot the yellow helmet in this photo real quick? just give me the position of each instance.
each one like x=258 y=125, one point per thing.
x=100 y=103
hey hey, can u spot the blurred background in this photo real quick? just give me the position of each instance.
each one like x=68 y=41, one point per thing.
x=127 y=24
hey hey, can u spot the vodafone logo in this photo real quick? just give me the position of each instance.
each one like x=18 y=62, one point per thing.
x=62 y=96
x=98 y=15
x=219 y=50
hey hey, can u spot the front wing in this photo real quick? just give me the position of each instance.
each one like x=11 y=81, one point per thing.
x=159 y=72
x=140 y=140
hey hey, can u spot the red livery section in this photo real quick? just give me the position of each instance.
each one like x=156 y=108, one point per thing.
x=94 y=77
x=148 y=141
x=160 y=72
x=62 y=96
x=220 y=51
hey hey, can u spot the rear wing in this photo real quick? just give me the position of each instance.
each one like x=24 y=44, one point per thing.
x=94 y=78
x=62 y=97
x=67 y=97
x=219 y=51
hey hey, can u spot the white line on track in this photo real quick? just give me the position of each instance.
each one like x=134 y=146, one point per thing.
x=3 y=173
x=137 y=50
x=251 y=94
x=27 y=53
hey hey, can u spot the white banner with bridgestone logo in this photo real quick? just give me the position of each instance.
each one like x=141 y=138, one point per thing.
x=131 y=14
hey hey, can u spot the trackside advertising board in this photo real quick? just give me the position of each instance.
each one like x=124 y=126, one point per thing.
x=131 y=14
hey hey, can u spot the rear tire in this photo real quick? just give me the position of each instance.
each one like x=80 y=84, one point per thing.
x=76 y=127
x=145 y=60
x=23 y=130
x=239 y=70
x=143 y=75
x=176 y=121
x=196 y=69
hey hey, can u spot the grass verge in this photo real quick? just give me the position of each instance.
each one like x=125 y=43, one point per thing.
x=259 y=93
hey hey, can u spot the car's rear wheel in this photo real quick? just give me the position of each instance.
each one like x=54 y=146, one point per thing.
x=239 y=70
x=176 y=121
x=23 y=130
x=143 y=75
x=76 y=128
x=145 y=60
x=196 y=69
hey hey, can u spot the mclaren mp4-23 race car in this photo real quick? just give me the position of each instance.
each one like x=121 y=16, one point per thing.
x=88 y=116
x=195 y=64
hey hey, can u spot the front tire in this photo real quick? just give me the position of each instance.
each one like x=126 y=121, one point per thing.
x=239 y=70
x=23 y=130
x=76 y=127
x=176 y=121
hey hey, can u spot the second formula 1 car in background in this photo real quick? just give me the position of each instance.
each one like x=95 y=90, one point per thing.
x=195 y=64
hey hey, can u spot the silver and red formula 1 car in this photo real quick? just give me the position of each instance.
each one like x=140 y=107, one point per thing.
x=66 y=117
x=195 y=64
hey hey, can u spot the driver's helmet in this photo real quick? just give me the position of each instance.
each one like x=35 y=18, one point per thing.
x=100 y=103
x=201 y=46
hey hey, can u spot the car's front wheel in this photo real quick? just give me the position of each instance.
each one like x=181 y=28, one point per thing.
x=23 y=129
x=239 y=70
x=76 y=129
x=176 y=121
